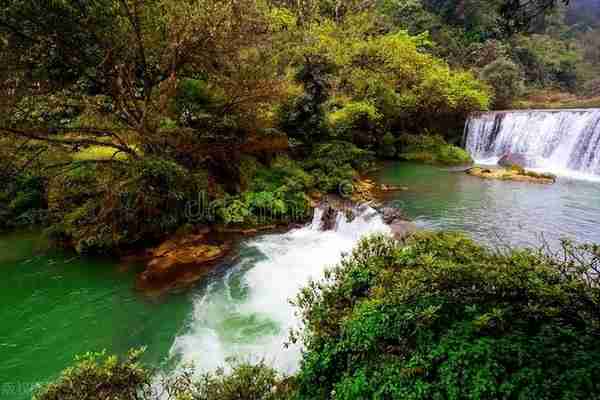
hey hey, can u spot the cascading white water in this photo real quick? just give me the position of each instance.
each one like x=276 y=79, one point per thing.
x=246 y=314
x=565 y=142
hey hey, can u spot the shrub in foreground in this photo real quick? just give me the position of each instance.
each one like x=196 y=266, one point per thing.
x=443 y=318
x=100 y=377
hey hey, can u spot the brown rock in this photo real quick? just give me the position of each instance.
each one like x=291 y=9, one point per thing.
x=328 y=219
x=182 y=257
x=403 y=229
x=391 y=215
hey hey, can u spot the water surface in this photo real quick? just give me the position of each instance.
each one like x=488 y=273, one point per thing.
x=56 y=305
x=495 y=211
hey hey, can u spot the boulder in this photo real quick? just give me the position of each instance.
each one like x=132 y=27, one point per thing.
x=402 y=229
x=181 y=256
x=391 y=214
x=328 y=219
x=516 y=159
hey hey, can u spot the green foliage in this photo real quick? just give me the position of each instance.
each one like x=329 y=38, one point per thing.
x=274 y=193
x=442 y=317
x=388 y=146
x=547 y=60
x=101 y=377
x=353 y=119
x=505 y=78
x=22 y=201
x=303 y=117
x=432 y=149
x=99 y=209
x=336 y=163
x=244 y=382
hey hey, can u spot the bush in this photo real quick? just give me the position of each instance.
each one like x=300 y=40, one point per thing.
x=99 y=209
x=443 y=317
x=387 y=148
x=97 y=376
x=505 y=78
x=432 y=149
x=22 y=201
x=355 y=118
x=244 y=382
x=336 y=163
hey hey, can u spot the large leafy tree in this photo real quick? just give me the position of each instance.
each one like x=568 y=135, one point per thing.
x=122 y=61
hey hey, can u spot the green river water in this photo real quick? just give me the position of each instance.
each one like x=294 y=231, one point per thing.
x=56 y=305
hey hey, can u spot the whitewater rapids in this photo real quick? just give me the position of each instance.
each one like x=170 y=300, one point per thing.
x=246 y=314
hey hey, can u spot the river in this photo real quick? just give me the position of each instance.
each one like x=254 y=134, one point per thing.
x=56 y=305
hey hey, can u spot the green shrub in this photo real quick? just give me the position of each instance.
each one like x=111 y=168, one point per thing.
x=99 y=209
x=100 y=377
x=22 y=201
x=506 y=79
x=387 y=148
x=444 y=318
x=354 y=118
x=431 y=149
x=336 y=163
x=244 y=382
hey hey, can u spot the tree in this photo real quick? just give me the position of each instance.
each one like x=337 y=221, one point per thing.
x=112 y=86
x=506 y=79
x=519 y=15
x=121 y=60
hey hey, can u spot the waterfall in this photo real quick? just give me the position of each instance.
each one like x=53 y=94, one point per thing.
x=565 y=142
x=246 y=313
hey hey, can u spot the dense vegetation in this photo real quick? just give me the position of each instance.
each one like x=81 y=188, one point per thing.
x=117 y=115
x=443 y=317
x=436 y=317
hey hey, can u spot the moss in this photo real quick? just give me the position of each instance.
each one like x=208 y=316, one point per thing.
x=514 y=173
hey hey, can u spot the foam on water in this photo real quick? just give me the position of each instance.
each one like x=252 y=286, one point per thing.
x=564 y=142
x=246 y=314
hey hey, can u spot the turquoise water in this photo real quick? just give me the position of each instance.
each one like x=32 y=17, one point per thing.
x=56 y=305
x=493 y=211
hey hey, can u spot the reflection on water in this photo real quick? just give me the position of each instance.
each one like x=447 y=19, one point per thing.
x=494 y=211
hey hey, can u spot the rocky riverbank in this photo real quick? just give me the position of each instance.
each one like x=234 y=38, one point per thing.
x=188 y=257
